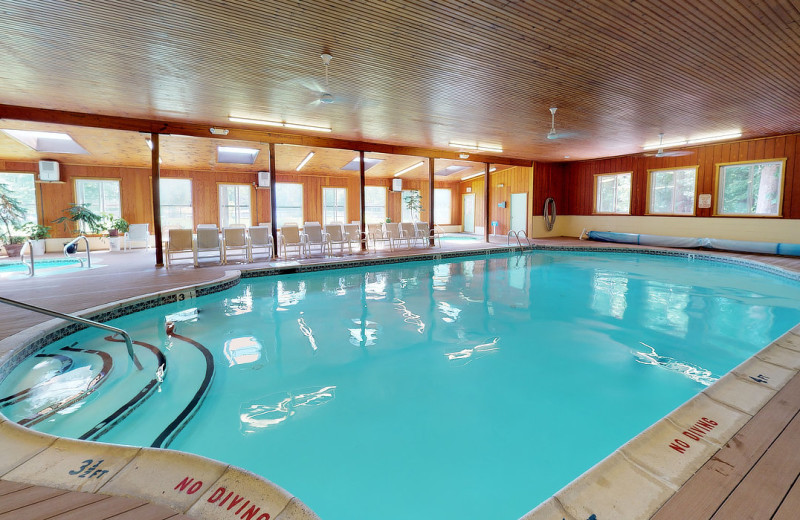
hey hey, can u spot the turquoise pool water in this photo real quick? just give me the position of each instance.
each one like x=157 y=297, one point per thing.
x=426 y=389
x=11 y=270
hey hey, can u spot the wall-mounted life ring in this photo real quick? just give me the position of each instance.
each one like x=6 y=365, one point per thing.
x=549 y=213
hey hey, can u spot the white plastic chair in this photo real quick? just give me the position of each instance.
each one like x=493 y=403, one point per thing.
x=290 y=237
x=316 y=237
x=180 y=241
x=207 y=241
x=354 y=235
x=336 y=237
x=409 y=233
x=395 y=234
x=376 y=234
x=425 y=233
x=137 y=233
x=261 y=238
x=234 y=240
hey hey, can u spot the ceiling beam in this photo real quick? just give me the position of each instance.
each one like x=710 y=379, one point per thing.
x=236 y=132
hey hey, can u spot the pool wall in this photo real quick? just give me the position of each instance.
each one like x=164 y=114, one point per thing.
x=633 y=482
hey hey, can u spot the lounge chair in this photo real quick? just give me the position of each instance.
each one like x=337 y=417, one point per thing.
x=354 y=235
x=409 y=232
x=424 y=232
x=180 y=241
x=376 y=234
x=336 y=236
x=207 y=242
x=290 y=237
x=316 y=237
x=395 y=234
x=234 y=240
x=261 y=239
x=137 y=233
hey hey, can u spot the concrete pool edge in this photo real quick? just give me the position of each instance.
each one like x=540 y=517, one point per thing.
x=645 y=479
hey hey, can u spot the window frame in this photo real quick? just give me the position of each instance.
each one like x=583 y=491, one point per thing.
x=403 y=208
x=651 y=173
x=78 y=181
x=596 y=201
x=437 y=214
x=190 y=205
x=343 y=219
x=238 y=220
x=385 y=205
x=301 y=221
x=717 y=206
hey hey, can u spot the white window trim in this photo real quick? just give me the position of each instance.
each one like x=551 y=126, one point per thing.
x=224 y=186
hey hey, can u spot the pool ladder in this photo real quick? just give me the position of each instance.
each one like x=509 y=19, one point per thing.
x=31 y=267
x=77 y=319
x=74 y=242
x=516 y=234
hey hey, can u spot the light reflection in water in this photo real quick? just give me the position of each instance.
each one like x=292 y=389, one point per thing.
x=609 y=290
x=408 y=316
x=695 y=373
x=189 y=315
x=450 y=313
x=287 y=296
x=274 y=409
x=468 y=353
x=306 y=330
x=242 y=351
x=441 y=276
x=375 y=286
x=365 y=336
x=55 y=390
x=240 y=305
x=665 y=308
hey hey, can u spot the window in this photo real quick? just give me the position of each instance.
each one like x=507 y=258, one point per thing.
x=334 y=205
x=613 y=193
x=288 y=203
x=234 y=204
x=671 y=191
x=750 y=188
x=176 y=204
x=411 y=205
x=23 y=189
x=374 y=204
x=442 y=198
x=101 y=196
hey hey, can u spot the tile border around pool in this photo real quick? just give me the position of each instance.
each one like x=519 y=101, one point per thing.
x=633 y=482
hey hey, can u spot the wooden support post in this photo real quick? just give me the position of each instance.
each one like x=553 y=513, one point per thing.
x=486 y=205
x=430 y=200
x=155 y=177
x=273 y=210
x=362 y=180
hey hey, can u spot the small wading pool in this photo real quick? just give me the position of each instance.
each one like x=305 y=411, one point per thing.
x=11 y=269
x=466 y=386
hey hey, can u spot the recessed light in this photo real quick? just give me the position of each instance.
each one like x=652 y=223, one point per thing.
x=49 y=142
x=236 y=155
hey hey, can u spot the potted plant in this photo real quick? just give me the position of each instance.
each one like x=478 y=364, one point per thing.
x=37 y=234
x=85 y=220
x=12 y=215
x=115 y=227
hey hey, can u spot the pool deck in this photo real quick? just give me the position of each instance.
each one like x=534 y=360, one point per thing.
x=741 y=463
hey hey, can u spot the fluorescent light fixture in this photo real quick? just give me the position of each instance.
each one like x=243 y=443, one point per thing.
x=304 y=161
x=406 y=170
x=236 y=155
x=219 y=131
x=492 y=169
x=49 y=142
x=695 y=140
x=149 y=143
x=479 y=147
x=468 y=177
x=278 y=123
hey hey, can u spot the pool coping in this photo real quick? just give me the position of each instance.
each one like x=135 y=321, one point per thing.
x=634 y=481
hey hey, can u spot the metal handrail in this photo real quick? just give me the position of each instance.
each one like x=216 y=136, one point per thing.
x=77 y=319
x=88 y=255
x=516 y=235
x=524 y=234
x=31 y=268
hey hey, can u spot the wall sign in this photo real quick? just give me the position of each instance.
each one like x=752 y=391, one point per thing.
x=704 y=200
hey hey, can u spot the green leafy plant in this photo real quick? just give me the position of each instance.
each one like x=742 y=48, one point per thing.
x=36 y=231
x=115 y=226
x=12 y=214
x=86 y=219
x=413 y=202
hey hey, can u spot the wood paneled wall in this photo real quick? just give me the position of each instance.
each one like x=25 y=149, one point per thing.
x=518 y=179
x=578 y=182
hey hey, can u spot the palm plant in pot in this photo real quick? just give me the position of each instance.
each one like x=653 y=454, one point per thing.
x=12 y=215
x=84 y=220
x=37 y=234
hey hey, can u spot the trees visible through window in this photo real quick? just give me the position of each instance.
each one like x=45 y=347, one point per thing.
x=442 y=200
x=613 y=193
x=412 y=204
x=234 y=204
x=672 y=191
x=374 y=204
x=23 y=189
x=334 y=205
x=100 y=195
x=288 y=203
x=176 y=204
x=750 y=188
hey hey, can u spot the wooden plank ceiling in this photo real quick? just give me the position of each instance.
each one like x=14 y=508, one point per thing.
x=411 y=73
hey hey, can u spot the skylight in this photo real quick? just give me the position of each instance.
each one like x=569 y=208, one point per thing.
x=236 y=155
x=368 y=163
x=48 y=142
x=450 y=170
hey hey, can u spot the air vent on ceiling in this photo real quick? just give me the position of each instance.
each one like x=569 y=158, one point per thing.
x=48 y=171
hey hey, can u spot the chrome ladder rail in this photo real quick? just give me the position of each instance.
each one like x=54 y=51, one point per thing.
x=77 y=319
x=88 y=254
x=32 y=267
x=516 y=235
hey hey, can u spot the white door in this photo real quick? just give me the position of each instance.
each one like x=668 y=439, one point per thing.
x=469 y=213
x=519 y=212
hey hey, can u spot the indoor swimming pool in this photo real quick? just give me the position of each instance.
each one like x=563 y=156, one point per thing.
x=434 y=389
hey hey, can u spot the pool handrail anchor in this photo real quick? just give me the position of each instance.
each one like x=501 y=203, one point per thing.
x=78 y=319
x=31 y=268
x=88 y=255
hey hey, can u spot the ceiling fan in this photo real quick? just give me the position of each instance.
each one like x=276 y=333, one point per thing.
x=552 y=134
x=661 y=153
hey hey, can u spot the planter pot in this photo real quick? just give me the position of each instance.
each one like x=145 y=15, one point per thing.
x=38 y=247
x=114 y=243
x=12 y=250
